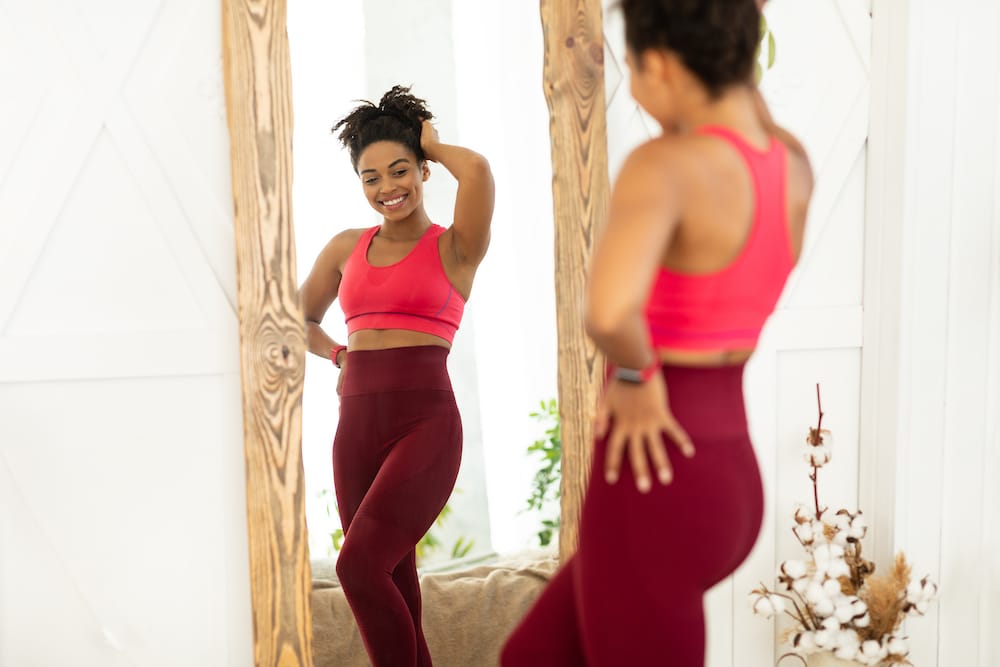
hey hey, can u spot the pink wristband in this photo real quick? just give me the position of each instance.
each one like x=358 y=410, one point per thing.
x=335 y=352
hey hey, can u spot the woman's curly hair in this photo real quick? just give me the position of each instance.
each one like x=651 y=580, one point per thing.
x=716 y=39
x=397 y=117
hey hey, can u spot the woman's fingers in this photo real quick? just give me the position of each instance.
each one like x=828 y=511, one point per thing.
x=680 y=438
x=637 y=459
x=613 y=456
x=661 y=462
x=601 y=420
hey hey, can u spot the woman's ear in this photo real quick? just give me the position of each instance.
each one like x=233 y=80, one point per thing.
x=425 y=169
x=655 y=63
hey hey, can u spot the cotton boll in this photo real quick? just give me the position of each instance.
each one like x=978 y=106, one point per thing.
x=767 y=605
x=847 y=645
x=843 y=613
x=914 y=592
x=802 y=515
x=928 y=589
x=828 y=552
x=815 y=592
x=858 y=528
x=872 y=651
x=845 y=653
x=794 y=569
x=897 y=646
x=805 y=642
x=818 y=456
x=826 y=639
x=804 y=533
x=831 y=587
x=862 y=621
x=800 y=586
x=838 y=568
x=824 y=607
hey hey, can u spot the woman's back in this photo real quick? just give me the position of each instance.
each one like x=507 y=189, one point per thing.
x=737 y=237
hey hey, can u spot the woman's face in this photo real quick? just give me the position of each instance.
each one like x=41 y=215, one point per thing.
x=392 y=179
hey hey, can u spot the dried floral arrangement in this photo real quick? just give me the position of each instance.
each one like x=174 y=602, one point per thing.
x=838 y=603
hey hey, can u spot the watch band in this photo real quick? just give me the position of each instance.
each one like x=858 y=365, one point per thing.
x=335 y=352
x=637 y=375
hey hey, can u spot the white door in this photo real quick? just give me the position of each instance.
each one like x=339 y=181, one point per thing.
x=122 y=493
x=819 y=89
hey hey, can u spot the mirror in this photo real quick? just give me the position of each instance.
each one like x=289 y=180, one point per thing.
x=488 y=97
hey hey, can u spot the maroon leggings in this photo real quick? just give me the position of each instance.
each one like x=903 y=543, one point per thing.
x=632 y=594
x=395 y=459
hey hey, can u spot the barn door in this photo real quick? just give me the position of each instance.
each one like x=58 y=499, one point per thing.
x=121 y=464
x=819 y=89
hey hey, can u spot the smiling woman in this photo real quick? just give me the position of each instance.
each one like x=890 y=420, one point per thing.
x=403 y=286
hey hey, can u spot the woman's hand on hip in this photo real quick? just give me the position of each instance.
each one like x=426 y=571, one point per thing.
x=638 y=417
x=340 y=378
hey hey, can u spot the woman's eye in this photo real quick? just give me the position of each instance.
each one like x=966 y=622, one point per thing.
x=370 y=181
x=400 y=173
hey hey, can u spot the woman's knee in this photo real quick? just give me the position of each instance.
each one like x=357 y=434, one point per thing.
x=355 y=567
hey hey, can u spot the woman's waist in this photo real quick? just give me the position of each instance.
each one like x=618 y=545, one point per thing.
x=398 y=368
x=707 y=400
x=704 y=358
x=397 y=324
x=383 y=339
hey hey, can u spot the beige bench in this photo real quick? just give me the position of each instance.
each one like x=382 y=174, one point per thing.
x=467 y=614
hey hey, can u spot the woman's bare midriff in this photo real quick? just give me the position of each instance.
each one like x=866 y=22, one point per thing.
x=383 y=339
x=704 y=358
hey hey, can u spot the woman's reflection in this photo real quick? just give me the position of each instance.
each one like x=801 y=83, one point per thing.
x=402 y=286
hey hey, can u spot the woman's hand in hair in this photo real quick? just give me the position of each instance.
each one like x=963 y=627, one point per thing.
x=428 y=140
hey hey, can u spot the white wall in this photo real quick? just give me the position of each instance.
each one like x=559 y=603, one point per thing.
x=937 y=123
x=122 y=498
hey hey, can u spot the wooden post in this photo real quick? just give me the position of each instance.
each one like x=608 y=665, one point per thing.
x=574 y=91
x=272 y=333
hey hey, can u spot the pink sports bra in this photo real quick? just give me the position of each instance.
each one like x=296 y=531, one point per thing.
x=726 y=309
x=412 y=294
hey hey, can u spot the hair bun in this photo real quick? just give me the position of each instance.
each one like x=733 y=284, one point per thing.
x=401 y=103
x=397 y=117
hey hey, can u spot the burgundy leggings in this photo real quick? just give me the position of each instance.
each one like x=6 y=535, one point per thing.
x=632 y=594
x=395 y=459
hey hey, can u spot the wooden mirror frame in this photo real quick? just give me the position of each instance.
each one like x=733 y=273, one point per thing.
x=257 y=75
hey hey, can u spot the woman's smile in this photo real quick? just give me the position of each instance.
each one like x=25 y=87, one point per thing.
x=393 y=204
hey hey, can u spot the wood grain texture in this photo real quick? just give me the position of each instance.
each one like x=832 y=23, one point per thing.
x=272 y=333
x=574 y=92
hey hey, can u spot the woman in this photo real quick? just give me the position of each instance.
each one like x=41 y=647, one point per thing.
x=403 y=286
x=705 y=224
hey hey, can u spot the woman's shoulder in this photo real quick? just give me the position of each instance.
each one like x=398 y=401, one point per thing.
x=350 y=237
x=663 y=157
x=340 y=247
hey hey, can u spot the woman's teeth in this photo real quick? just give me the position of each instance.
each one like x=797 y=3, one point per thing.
x=393 y=203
